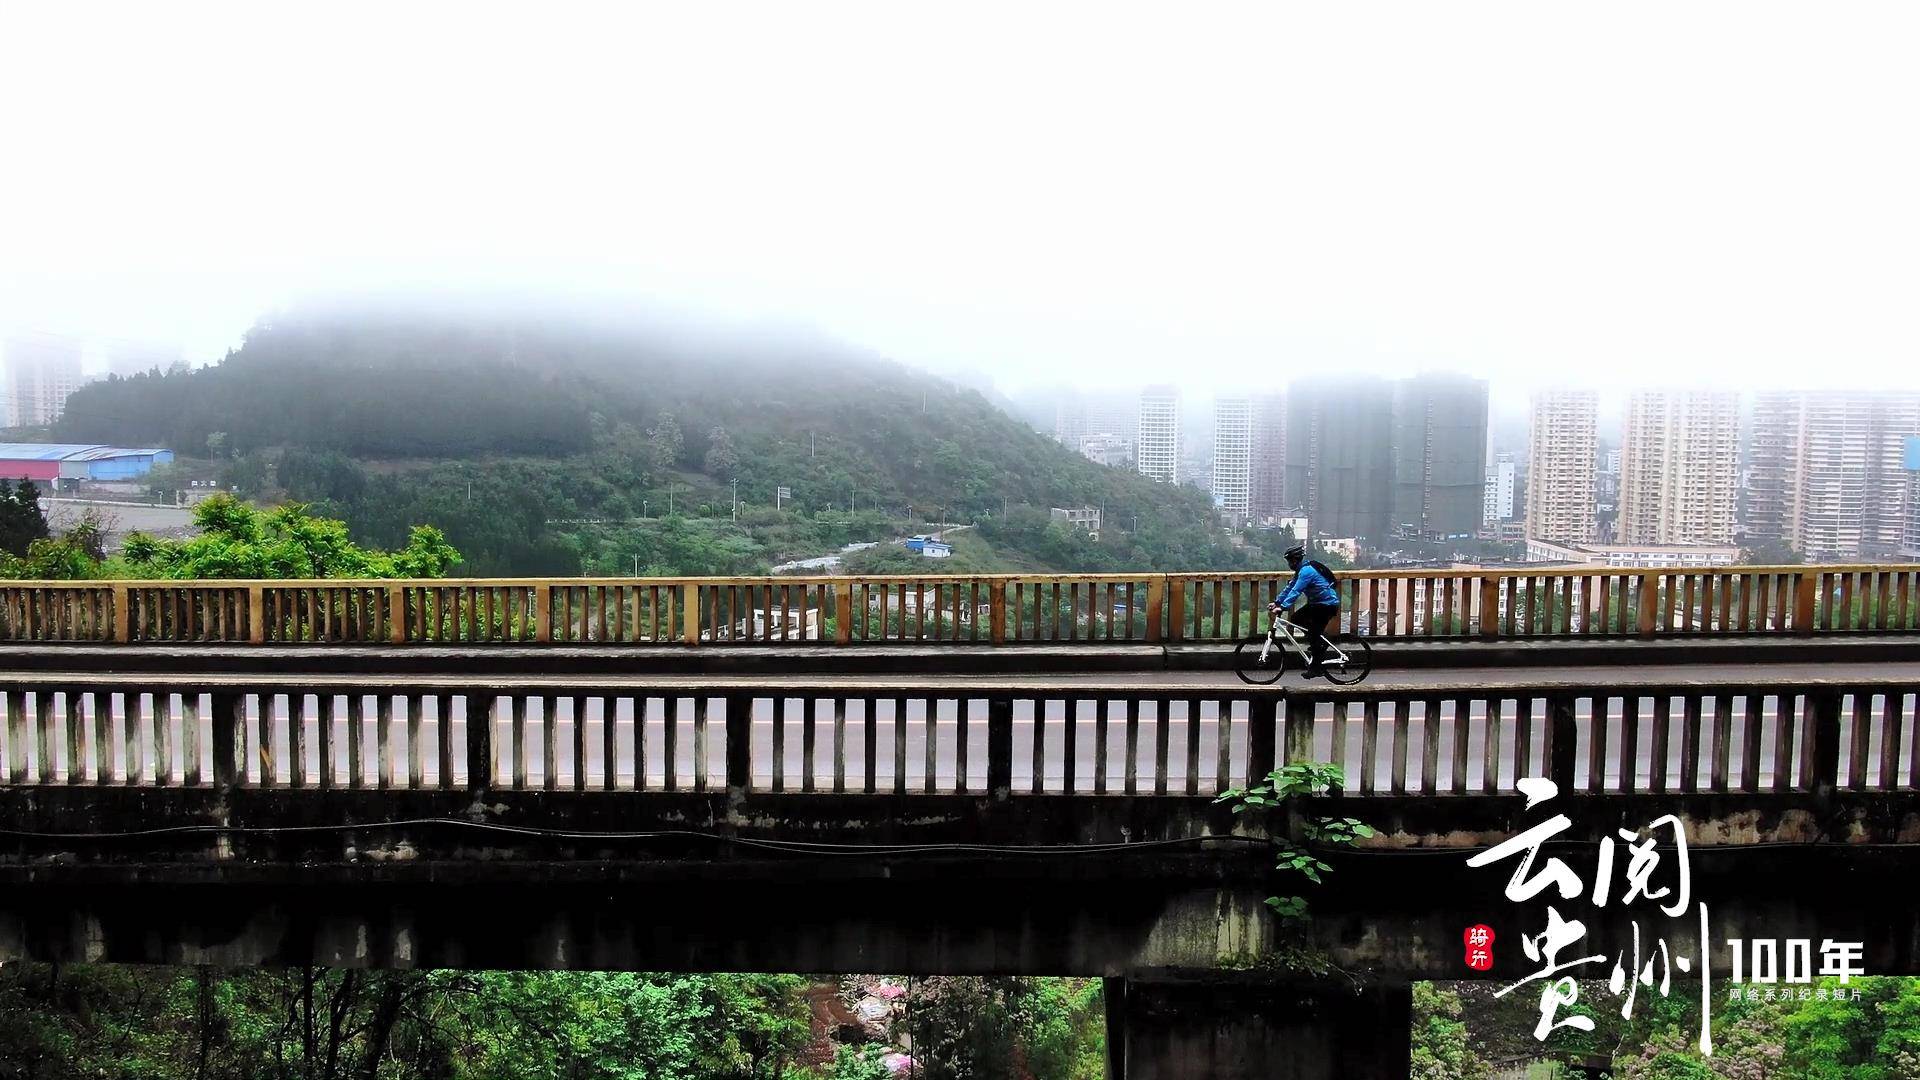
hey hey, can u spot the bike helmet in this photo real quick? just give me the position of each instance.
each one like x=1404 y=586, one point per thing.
x=1297 y=551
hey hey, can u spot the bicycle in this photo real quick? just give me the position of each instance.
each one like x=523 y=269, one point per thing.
x=1262 y=658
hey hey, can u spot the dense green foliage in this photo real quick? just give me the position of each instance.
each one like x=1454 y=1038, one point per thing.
x=1458 y=1027
x=237 y=540
x=21 y=519
x=197 y=1024
x=162 y=1023
x=506 y=432
x=1440 y=1050
x=1048 y=1029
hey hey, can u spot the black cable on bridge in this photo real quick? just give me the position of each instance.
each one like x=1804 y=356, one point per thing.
x=811 y=847
x=823 y=847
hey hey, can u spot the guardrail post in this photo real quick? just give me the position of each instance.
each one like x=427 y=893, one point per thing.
x=1562 y=741
x=228 y=715
x=397 y=614
x=543 y=612
x=1156 y=606
x=1000 y=746
x=843 y=604
x=122 y=618
x=1489 y=607
x=480 y=741
x=689 y=613
x=1176 y=609
x=256 y=615
x=1263 y=715
x=1822 y=745
x=1805 y=596
x=997 y=614
x=1299 y=744
x=739 y=747
x=1649 y=604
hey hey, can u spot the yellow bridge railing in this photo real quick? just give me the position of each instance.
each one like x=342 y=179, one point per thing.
x=988 y=609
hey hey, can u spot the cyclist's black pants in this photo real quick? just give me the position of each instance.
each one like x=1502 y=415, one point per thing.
x=1313 y=618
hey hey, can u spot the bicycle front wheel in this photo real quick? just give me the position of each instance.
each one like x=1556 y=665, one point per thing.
x=1251 y=669
x=1358 y=664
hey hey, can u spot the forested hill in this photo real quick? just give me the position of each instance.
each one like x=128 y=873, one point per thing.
x=590 y=418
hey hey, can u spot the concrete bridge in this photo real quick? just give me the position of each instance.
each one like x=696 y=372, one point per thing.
x=1046 y=824
x=950 y=774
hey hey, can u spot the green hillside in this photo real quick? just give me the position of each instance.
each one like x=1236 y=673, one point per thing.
x=506 y=432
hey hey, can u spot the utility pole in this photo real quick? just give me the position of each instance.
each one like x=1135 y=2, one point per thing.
x=735 y=485
x=643 y=508
x=469 y=491
x=809 y=444
x=636 y=566
x=669 y=500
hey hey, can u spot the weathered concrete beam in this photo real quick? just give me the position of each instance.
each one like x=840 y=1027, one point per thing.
x=968 y=884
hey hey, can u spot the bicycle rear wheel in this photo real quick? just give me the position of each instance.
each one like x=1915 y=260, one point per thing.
x=1358 y=665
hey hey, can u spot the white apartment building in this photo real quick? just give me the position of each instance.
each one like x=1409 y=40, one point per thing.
x=1561 y=448
x=1634 y=556
x=1910 y=542
x=1499 y=494
x=1679 y=467
x=1232 y=484
x=1157 y=447
x=1078 y=417
x=1826 y=471
x=41 y=375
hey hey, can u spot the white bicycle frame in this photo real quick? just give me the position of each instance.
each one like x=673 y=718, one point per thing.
x=1284 y=631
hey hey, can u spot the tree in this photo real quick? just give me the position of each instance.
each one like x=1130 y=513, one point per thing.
x=664 y=442
x=1770 y=553
x=721 y=463
x=74 y=554
x=238 y=540
x=1440 y=1050
x=21 y=519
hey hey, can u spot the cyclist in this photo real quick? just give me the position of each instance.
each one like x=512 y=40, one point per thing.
x=1323 y=604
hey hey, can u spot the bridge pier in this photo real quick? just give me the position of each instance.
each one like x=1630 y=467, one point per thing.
x=1243 y=1031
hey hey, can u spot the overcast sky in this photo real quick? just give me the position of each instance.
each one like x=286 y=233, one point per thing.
x=1601 y=193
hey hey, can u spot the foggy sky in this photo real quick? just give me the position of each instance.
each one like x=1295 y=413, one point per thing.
x=1226 y=196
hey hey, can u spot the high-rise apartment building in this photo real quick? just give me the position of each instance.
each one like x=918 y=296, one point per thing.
x=1268 y=459
x=1770 y=467
x=1077 y=416
x=41 y=374
x=1825 y=471
x=1339 y=456
x=1910 y=542
x=1911 y=466
x=1679 y=467
x=1232 y=476
x=1561 y=449
x=1156 y=451
x=1499 y=491
x=1439 y=451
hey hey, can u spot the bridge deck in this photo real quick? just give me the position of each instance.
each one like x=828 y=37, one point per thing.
x=758 y=659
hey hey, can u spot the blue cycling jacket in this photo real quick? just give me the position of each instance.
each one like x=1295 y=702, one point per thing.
x=1312 y=583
